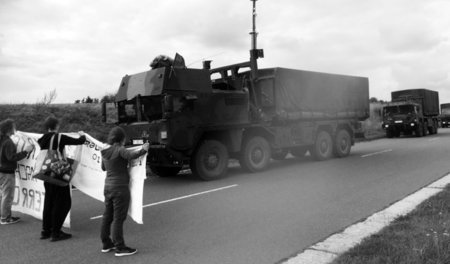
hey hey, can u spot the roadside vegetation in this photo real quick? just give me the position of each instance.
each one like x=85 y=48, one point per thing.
x=74 y=117
x=421 y=237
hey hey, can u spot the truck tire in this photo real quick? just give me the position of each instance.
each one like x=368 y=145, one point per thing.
x=389 y=133
x=342 y=143
x=255 y=154
x=162 y=171
x=210 y=160
x=299 y=152
x=323 y=147
x=279 y=154
x=419 y=131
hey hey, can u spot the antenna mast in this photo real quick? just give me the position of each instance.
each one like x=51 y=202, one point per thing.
x=255 y=53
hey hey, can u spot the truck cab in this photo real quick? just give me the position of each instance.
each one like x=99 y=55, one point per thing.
x=406 y=117
x=174 y=108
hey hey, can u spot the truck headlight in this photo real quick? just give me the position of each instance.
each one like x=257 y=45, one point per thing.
x=412 y=124
x=163 y=134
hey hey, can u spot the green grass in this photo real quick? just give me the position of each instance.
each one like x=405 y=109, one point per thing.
x=421 y=237
x=74 y=118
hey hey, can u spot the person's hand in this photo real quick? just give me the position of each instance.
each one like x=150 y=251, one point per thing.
x=145 y=146
x=81 y=133
x=29 y=148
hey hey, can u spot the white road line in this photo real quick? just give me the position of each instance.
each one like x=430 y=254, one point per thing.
x=180 y=198
x=433 y=139
x=376 y=153
x=328 y=250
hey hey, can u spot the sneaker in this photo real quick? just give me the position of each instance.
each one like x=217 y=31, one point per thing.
x=10 y=220
x=125 y=251
x=60 y=236
x=108 y=248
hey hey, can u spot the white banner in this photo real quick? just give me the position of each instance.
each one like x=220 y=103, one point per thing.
x=88 y=176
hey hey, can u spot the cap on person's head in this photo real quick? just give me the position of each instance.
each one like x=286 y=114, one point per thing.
x=116 y=135
x=51 y=123
x=7 y=126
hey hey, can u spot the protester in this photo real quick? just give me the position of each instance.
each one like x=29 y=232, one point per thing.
x=57 y=201
x=115 y=159
x=8 y=165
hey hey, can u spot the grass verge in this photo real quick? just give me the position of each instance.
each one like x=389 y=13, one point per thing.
x=421 y=237
x=74 y=117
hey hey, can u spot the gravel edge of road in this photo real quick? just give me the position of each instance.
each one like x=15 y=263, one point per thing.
x=329 y=249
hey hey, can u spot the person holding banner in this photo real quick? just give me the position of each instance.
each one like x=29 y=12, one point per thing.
x=115 y=159
x=8 y=166
x=57 y=201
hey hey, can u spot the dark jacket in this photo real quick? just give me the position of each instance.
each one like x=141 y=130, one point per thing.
x=44 y=141
x=8 y=155
x=115 y=161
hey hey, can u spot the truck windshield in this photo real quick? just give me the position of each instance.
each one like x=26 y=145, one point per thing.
x=150 y=109
x=398 y=109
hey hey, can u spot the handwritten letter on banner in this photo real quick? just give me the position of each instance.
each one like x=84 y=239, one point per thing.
x=88 y=176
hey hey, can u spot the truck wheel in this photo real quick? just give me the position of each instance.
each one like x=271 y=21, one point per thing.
x=255 y=155
x=389 y=133
x=279 y=154
x=299 y=152
x=162 y=171
x=342 y=143
x=323 y=147
x=210 y=160
x=419 y=131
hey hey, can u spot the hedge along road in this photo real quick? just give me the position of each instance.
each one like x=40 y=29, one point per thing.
x=246 y=218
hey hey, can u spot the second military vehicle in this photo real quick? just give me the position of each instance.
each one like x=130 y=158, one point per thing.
x=413 y=111
x=445 y=115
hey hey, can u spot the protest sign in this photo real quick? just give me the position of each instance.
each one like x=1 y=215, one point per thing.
x=88 y=176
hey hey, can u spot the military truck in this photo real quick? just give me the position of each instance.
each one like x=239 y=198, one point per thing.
x=412 y=111
x=201 y=118
x=445 y=115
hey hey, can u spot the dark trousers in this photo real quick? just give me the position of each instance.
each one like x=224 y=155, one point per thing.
x=57 y=203
x=117 y=201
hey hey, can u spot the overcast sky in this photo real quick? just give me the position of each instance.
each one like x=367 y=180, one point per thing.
x=83 y=48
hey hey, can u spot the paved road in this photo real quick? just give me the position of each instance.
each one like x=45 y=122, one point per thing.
x=246 y=218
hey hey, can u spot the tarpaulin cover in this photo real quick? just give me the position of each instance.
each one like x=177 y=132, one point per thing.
x=427 y=98
x=306 y=94
x=445 y=109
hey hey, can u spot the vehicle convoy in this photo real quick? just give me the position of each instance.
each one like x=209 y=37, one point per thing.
x=445 y=115
x=203 y=117
x=413 y=111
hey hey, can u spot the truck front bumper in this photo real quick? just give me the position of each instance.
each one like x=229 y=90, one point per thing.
x=159 y=155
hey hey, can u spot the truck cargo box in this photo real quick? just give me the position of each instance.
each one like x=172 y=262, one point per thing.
x=302 y=94
x=427 y=98
x=445 y=109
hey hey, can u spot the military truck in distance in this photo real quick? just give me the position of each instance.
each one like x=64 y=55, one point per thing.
x=203 y=117
x=413 y=111
x=445 y=115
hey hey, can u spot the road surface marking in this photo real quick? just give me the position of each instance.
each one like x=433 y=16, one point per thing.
x=328 y=250
x=180 y=198
x=376 y=153
x=433 y=139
